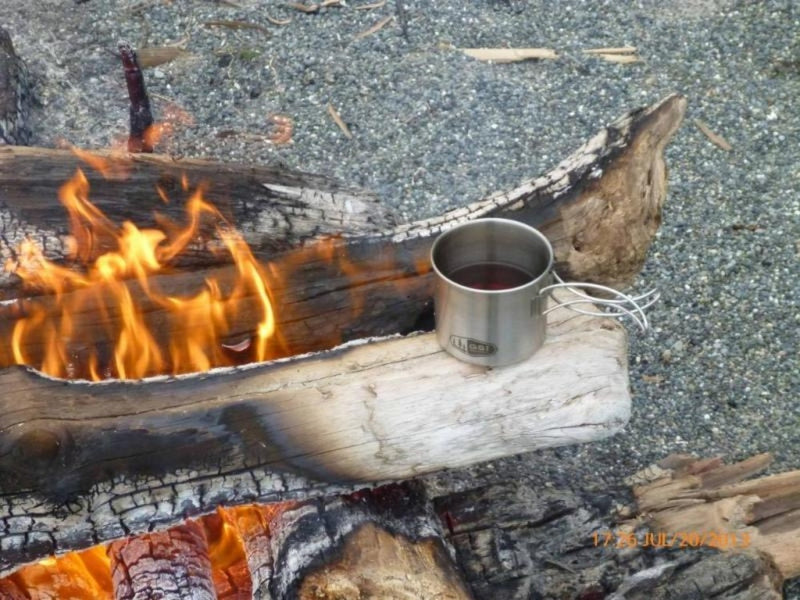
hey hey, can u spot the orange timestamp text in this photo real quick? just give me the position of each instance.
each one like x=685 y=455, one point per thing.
x=723 y=540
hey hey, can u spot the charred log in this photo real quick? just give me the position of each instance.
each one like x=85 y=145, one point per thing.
x=383 y=410
x=172 y=565
x=530 y=536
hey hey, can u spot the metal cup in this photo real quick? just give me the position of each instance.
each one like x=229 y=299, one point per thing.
x=506 y=323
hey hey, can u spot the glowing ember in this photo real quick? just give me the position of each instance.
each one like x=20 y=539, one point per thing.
x=232 y=538
x=76 y=575
x=119 y=280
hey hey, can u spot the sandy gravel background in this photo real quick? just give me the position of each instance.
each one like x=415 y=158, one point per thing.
x=433 y=129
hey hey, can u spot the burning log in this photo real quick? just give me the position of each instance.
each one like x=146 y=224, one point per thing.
x=133 y=456
x=543 y=535
x=600 y=208
x=171 y=563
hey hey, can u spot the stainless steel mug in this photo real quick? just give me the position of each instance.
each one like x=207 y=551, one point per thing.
x=492 y=279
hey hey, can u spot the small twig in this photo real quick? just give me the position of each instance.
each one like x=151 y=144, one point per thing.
x=618 y=50
x=620 y=59
x=275 y=21
x=375 y=28
x=237 y=25
x=159 y=55
x=505 y=55
x=338 y=120
x=715 y=138
x=372 y=6
x=306 y=8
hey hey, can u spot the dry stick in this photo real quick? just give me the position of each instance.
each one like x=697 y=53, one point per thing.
x=141 y=118
x=275 y=21
x=375 y=28
x=306 y=8
x=371 y=6
x=159 y=55
x=338 y=120
x=237 y=25
x=715 y=138
x=504 y=55
x=617 y=50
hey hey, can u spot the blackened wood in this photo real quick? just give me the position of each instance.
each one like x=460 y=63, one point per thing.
x=518 y=540
x=274 y=209
x=171 y=565
x=532 y=535
x=141 y=117
x=146 y=454
x=600 y=208
x=15 y=95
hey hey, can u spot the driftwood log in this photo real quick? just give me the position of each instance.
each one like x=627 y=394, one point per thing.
x=556 y=533
x=129 y=457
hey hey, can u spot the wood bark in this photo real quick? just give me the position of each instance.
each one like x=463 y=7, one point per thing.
x=516 y=540
x=600 y=207
x=164 y=449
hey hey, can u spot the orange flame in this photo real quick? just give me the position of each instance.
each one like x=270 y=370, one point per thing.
x=83 y=574
x=97 y=326
x=234 y=538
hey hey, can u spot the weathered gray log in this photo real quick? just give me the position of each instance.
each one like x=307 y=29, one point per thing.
x=15 y=94
x=600 y=207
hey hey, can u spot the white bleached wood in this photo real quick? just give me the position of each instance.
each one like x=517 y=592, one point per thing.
x=404 y=407
x=388 y=409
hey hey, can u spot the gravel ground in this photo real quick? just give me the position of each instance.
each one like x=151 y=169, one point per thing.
x=433 y=129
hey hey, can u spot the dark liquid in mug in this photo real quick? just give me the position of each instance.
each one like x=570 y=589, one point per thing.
x=490 y=276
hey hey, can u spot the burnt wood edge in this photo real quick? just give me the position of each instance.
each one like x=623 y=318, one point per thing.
x=600 y=208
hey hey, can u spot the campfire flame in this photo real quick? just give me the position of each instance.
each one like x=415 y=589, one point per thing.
x=117 y=282
x=231 y=536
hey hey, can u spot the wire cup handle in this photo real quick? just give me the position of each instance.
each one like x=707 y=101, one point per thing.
x=621 y=305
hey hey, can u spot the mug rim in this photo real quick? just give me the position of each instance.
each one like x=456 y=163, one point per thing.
x=504 y=222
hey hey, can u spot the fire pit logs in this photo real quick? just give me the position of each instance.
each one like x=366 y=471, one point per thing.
x=83 y=463
x=650 y=537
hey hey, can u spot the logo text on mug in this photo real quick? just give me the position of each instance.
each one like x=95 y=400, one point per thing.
x=472 y=347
